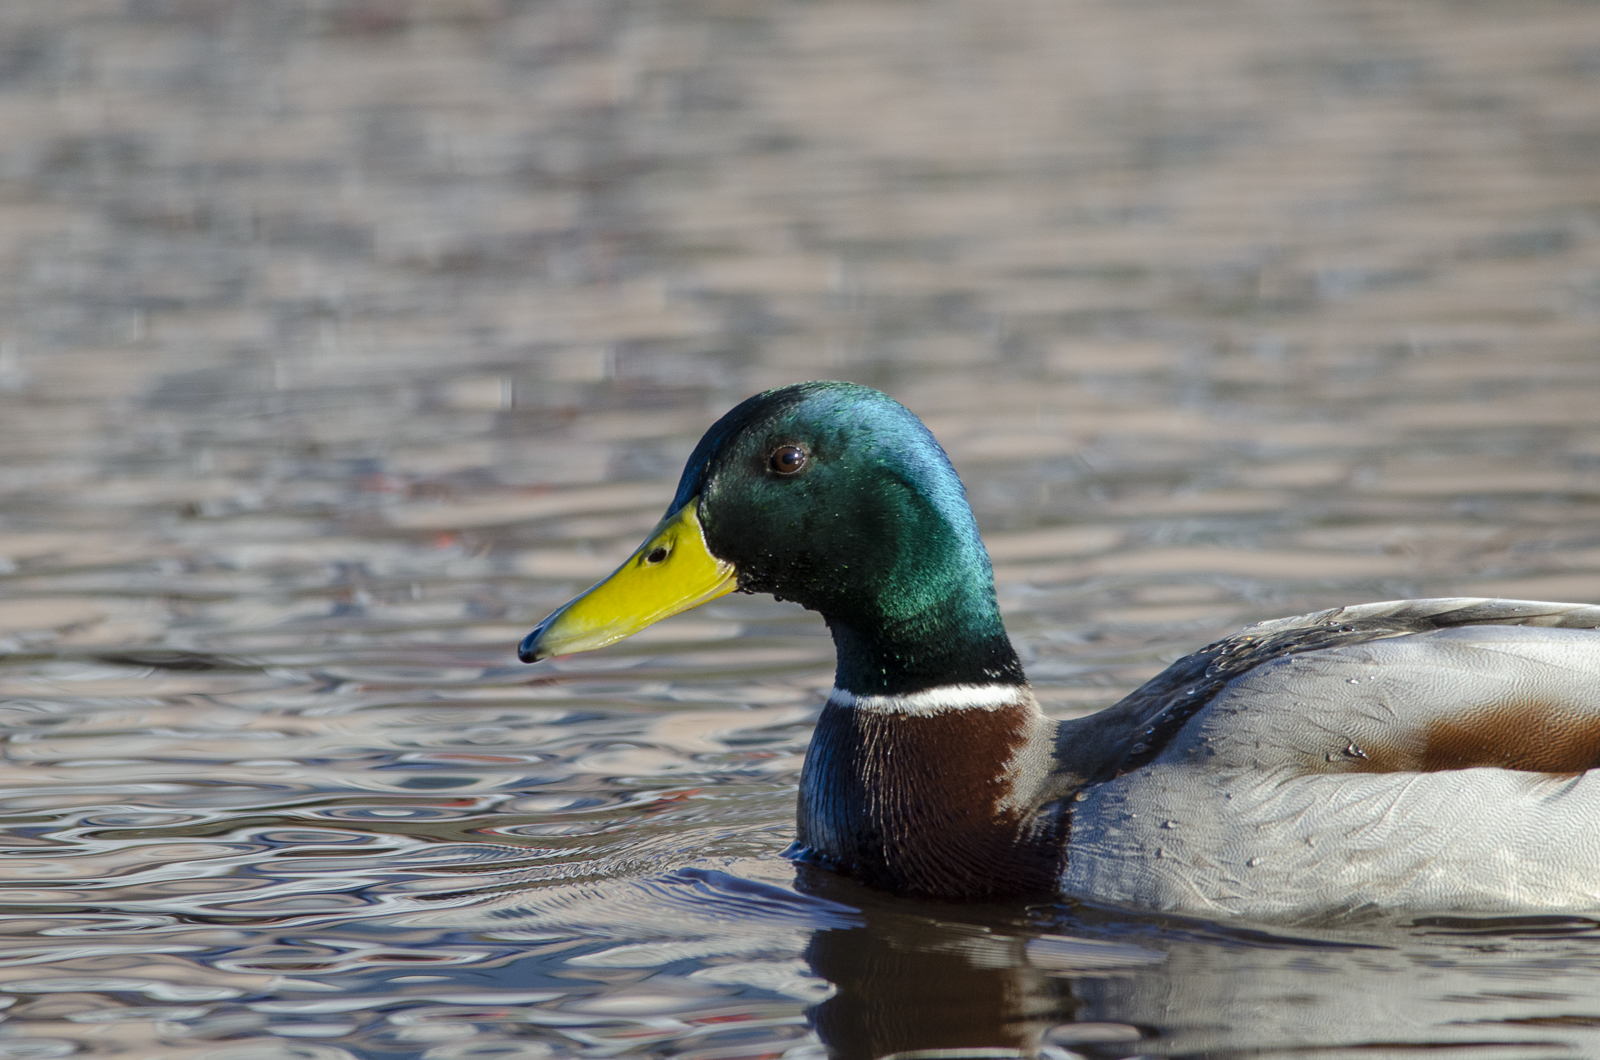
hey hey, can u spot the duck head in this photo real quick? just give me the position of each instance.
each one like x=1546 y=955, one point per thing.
x=832 y=495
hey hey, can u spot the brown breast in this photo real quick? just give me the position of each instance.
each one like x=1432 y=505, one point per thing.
x=922 y=804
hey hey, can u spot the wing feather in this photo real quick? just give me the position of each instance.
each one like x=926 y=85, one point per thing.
x=1265 y=657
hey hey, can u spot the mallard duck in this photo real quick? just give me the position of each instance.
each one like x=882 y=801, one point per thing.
x=1417 y=754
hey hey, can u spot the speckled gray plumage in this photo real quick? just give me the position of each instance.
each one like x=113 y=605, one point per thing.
x=1272 y=797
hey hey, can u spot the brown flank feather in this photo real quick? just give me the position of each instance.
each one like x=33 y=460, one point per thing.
x=1534 y=737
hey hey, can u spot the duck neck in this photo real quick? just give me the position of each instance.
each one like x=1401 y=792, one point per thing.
x=920 y=636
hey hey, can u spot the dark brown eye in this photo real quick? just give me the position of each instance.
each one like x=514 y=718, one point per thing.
x=787 y=459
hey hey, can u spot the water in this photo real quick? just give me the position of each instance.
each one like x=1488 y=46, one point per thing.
x=340 y=341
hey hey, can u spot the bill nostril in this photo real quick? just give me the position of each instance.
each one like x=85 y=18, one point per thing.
x=656 y=555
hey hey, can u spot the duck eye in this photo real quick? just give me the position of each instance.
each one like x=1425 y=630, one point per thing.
x=787 y=459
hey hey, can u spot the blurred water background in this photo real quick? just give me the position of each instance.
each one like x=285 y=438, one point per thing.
x=342 y=339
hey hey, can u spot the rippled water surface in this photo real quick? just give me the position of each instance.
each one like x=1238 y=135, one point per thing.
x=341 y=340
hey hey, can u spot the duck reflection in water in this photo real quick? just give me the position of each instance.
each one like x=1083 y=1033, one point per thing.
x=948 y=980
x=906 y=981
x=883 y=975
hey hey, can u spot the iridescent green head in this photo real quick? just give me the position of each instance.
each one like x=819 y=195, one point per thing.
x=837 y=497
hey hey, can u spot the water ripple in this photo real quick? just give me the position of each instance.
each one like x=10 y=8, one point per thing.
x=343 y=340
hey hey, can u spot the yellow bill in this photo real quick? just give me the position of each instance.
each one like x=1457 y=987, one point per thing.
x=671 y=572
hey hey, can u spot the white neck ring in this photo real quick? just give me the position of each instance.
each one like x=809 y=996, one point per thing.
x=939 y=700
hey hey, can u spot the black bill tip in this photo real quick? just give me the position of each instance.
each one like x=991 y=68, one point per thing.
x=528 y=650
